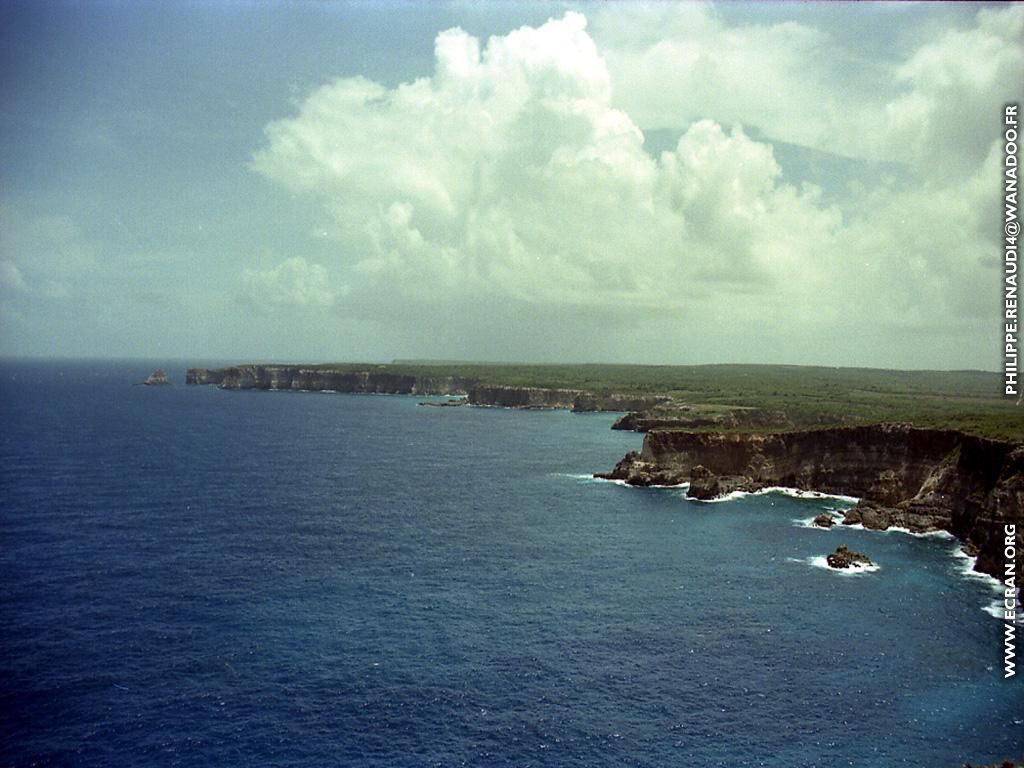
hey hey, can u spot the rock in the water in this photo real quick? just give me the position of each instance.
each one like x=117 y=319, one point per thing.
x=704 y=484
x=635 y=471
x=878 y=518
x=846 y=558
x=919 y=479
x=157 y=378
x=824 y=520
x=870 y=516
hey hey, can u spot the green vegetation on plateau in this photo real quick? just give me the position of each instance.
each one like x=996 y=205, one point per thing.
x=970 y=401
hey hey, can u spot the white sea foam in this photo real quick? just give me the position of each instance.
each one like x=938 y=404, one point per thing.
x=679 y=487
x=587 y=478
x=995 y=609
x=820 y=561
x=808 y=522
x=731 y=496
x=797 y=493
x=965 y=567
x=779 y=490
x=942 y=535
x=925 y=535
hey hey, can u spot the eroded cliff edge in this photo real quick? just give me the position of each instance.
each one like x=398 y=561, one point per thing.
x=920 y=479
x=291 y=377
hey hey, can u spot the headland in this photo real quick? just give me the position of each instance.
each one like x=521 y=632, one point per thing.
x=921 y=450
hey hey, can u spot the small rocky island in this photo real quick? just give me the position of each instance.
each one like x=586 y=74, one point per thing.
x=847 y=558
x=157 y=378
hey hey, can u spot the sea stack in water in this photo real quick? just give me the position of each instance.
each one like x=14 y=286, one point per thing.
x=704 y=484
x=824 y=520
x=845 y=558
x=157 y=378
x=914 y=478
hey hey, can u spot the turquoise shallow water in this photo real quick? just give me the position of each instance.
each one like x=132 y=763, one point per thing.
x=196 y=577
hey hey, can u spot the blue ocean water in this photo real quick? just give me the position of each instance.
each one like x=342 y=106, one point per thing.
x=193 y=577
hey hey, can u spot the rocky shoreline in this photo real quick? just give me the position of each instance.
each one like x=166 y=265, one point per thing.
x=844 y=557
x=919 y=479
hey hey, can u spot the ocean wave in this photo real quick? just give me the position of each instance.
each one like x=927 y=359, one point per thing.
x=820 y=561
x=965 y=567
x=591 y=478
x=942 y=535
x=945 y=535
x=797 y=493
x=808 y=522
x=731 y=496
x=581 y=478
x=779 y=490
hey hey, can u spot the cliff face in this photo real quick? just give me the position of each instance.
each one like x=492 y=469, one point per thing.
x=289 y=377
x=523 y=397
x=578 y=400
x=204 y=375
x=283 y=377
x=920 y=479
x=588 y=402
x=685 y=417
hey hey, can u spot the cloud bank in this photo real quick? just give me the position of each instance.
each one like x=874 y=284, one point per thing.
x=294 y=283
x=515 y=178
x=665 y=182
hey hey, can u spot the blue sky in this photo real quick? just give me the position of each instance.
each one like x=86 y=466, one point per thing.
x=665 y=183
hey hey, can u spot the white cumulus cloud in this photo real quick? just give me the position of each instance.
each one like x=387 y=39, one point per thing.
x=293 y=282
x=509 y=171
x=515 y=177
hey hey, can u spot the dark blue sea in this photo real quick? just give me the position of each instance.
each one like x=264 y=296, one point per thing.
x=193 y=577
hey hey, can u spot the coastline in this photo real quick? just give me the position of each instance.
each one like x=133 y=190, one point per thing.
x=895 y=476
x=903 y=477
x=653 y=537
x=964 y=563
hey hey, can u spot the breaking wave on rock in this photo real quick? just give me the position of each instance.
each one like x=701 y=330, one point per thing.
x=820 y=561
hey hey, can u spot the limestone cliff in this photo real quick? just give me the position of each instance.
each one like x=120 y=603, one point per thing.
x=287 y=377
x=588 y=402
x=523 y=397
x=293 y=377
x=204 y=375
x=673 y=415
x=157 y=378
x=921 y=479
x=578 y=400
